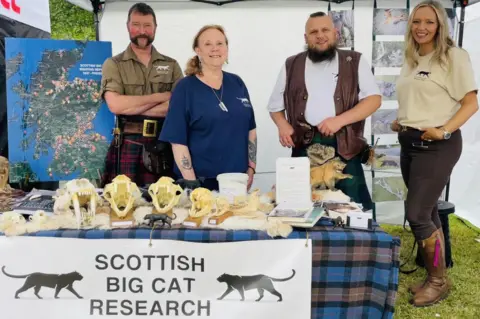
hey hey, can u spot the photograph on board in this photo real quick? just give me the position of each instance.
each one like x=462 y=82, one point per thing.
x=390 y=21
x=387 y=85
x=388 y=54
x=381 y=121
x=388 y=189
x=343 y=21
x=387 y=157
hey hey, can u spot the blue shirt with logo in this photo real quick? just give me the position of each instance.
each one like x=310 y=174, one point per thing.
x=217 y=139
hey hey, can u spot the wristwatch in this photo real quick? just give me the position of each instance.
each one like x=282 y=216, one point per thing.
x=446 y=134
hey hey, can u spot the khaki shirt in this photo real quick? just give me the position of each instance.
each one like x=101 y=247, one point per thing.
x=126 y=75
x=429 y=95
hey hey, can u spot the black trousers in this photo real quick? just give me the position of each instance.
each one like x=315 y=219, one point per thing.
x=426 y=168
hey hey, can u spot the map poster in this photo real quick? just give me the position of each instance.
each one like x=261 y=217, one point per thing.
x=59 y=128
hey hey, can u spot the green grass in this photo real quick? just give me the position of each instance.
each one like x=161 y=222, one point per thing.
x=464 y=299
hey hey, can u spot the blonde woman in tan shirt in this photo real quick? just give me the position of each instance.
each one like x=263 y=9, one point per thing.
x=437 y=94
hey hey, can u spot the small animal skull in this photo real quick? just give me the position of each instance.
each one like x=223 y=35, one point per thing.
x=4 y=171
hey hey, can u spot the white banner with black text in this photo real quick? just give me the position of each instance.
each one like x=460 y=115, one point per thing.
x=58 y=278
x=35 y=13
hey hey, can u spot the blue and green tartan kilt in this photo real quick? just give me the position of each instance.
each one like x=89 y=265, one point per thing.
x=356 y=188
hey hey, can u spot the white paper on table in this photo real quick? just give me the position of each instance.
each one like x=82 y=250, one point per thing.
x=293 y=190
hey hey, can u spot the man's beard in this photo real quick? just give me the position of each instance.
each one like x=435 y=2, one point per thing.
x=135 y=40
x=319 y=56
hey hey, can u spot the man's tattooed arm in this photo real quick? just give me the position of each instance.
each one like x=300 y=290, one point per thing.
x=184 y=161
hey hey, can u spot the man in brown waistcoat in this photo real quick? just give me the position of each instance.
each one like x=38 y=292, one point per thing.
x=136 y=85
x=323 y=95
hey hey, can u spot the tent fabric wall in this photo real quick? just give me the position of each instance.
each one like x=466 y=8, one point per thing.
x=461 y=190
x=465 y=178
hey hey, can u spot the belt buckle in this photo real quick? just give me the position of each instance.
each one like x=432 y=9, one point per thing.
x=150 y=128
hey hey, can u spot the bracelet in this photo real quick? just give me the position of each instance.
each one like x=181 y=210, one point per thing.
x=254 y=172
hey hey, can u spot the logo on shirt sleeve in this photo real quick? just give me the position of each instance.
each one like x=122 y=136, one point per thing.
x=244 y=101
x=422 y=75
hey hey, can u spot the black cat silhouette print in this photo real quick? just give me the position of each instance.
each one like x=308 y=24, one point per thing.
x=245 y=283
x=38 y=280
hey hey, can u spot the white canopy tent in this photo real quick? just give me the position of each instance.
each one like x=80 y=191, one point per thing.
x=259 y=47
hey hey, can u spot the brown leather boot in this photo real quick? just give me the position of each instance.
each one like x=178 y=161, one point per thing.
x=418 y=285
x=436 y=286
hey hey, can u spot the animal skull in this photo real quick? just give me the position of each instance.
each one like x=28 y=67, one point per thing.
x=202 y=202
x=245 y=205
x=222 y=205
x=4 y=171
x=84 y=199
x=165 y=194
x=121 y=193
x=10 y=219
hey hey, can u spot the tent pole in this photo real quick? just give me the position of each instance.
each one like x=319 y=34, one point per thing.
x=461 y=26
x=97 y=33
x=96 y=9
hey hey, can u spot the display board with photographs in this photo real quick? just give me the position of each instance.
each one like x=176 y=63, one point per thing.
x=390 y=20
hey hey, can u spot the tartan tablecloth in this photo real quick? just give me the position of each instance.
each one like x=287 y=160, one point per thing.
x=354 y=275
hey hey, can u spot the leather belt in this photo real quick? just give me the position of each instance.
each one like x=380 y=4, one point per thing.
x=147 y=128
x=404 y=128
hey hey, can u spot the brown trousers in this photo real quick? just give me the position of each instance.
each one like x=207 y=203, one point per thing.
x=426 y=168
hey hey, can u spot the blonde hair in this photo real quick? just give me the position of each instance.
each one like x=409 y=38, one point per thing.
x=194 y=66
x=443 y=41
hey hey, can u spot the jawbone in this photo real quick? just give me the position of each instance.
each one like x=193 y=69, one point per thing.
x=165 y=194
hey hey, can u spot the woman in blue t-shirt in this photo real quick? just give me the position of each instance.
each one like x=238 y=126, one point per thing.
x=210 y=121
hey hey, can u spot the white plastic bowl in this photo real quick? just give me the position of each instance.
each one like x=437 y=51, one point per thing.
x=232 y=185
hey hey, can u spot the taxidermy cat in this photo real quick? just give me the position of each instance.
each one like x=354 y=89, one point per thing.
x=327 y=175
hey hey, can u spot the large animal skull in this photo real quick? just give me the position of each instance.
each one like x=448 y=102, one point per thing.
x=202 y=202
x=165 y=194
x=4 y=171
x=121 y=193
x=84 y=199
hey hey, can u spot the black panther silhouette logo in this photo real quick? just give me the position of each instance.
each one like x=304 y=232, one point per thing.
x=244 y=283
x=423 y=74
x=39 y=280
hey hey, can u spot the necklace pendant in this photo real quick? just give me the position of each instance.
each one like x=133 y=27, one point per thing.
x=223 y=107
